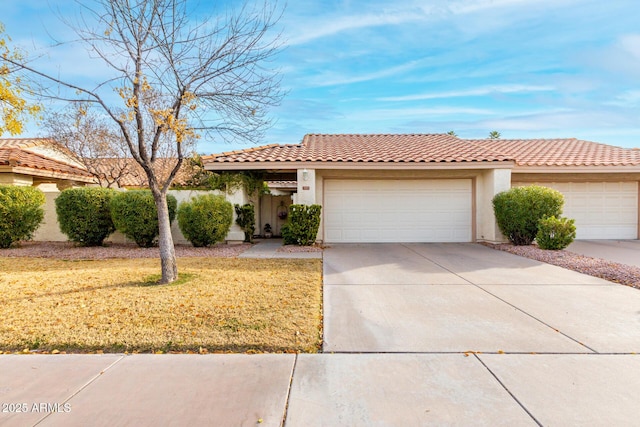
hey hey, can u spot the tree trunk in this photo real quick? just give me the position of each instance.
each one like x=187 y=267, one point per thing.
x=165 y=240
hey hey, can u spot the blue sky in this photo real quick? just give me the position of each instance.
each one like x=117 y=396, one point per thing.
x=526 y=68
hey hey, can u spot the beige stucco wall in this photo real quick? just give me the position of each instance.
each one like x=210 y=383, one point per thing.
x=49 y=230
x=9 y=178
x=486 y=184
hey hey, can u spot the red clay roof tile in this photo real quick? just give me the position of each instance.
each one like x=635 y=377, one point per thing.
x=128 y=173
x=561 y=152
x=366 y=148
x=429 y=148
x=15 y=155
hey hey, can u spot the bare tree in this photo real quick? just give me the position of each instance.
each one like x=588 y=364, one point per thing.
x=92 y=141
x=176 y=78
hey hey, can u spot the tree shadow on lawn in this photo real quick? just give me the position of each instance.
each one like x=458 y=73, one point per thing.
x=150 y=281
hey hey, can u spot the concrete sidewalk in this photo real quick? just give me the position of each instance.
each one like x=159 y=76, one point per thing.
x=320 y=390
x=414 y=334
x=268 y=248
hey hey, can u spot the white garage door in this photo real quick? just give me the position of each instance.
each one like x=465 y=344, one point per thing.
x=602 y=210
x=397 y=211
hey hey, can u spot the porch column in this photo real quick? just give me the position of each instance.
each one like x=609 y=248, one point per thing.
x=491 y=183
x=306 y=187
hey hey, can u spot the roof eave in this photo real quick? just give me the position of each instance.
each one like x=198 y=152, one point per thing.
x=289 y=165
x=576 y=169
x=47 y=174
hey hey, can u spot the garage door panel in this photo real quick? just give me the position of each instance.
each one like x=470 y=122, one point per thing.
x=602 y=210
x=397 y=211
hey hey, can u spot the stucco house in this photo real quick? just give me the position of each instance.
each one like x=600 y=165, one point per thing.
x=42 y=163
x=45 y=164
x=438 y=188
x=36 y=161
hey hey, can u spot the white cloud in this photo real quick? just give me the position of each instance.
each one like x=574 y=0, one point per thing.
x=333 y=79
x=560 y=120
x=626 y=99
x=305 y=32
x=466 y=6
x=481 y=91
x=405 y=114
x=630 y=43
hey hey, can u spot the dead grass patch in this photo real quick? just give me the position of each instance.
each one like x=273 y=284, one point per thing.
x=218 y=304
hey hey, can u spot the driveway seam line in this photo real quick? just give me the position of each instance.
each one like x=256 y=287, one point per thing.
x=286 y=402
x=508 y=391
x=439 y=265
x=539 y=320
x=500 y=299
x=78 y=391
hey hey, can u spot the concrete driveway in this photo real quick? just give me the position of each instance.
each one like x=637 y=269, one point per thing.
x=621 y=251
x=466 y=297
x=503 y=334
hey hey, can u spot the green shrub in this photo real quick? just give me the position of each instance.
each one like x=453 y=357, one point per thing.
x=246 y=219
x=302 y=227
x=135 y=215
x=555 y=233
x=84 y=214
x=519 y=210
x=205 y=219
x=21 y=213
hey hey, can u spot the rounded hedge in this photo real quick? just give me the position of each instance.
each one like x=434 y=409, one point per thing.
x=303 y=224
x=135 y=215
x=519 y=210
x=555 y=233
x=84 y=214
x=21 y=213
x=205 y=220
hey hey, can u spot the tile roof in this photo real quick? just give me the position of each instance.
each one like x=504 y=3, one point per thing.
x=45 y=155
x=365 y=148
x=282 y=184
x=561 y=152
x=27 y=153
x=128 y=173
x=21 y=142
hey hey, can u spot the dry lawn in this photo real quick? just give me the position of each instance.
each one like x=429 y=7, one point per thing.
x=218 y=304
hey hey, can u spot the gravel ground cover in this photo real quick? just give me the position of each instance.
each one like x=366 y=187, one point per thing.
x=597 y=267
x=295 y=249
x=71 y=251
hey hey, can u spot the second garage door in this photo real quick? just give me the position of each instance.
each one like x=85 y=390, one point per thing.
x=438 y=210
x=602 y=210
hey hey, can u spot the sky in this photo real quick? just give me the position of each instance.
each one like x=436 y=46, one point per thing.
x=524 y=68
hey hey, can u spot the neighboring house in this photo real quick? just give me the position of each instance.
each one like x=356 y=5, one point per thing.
x=35 y=161
x=599 y=182
x=439 y=188
x=42 y=163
